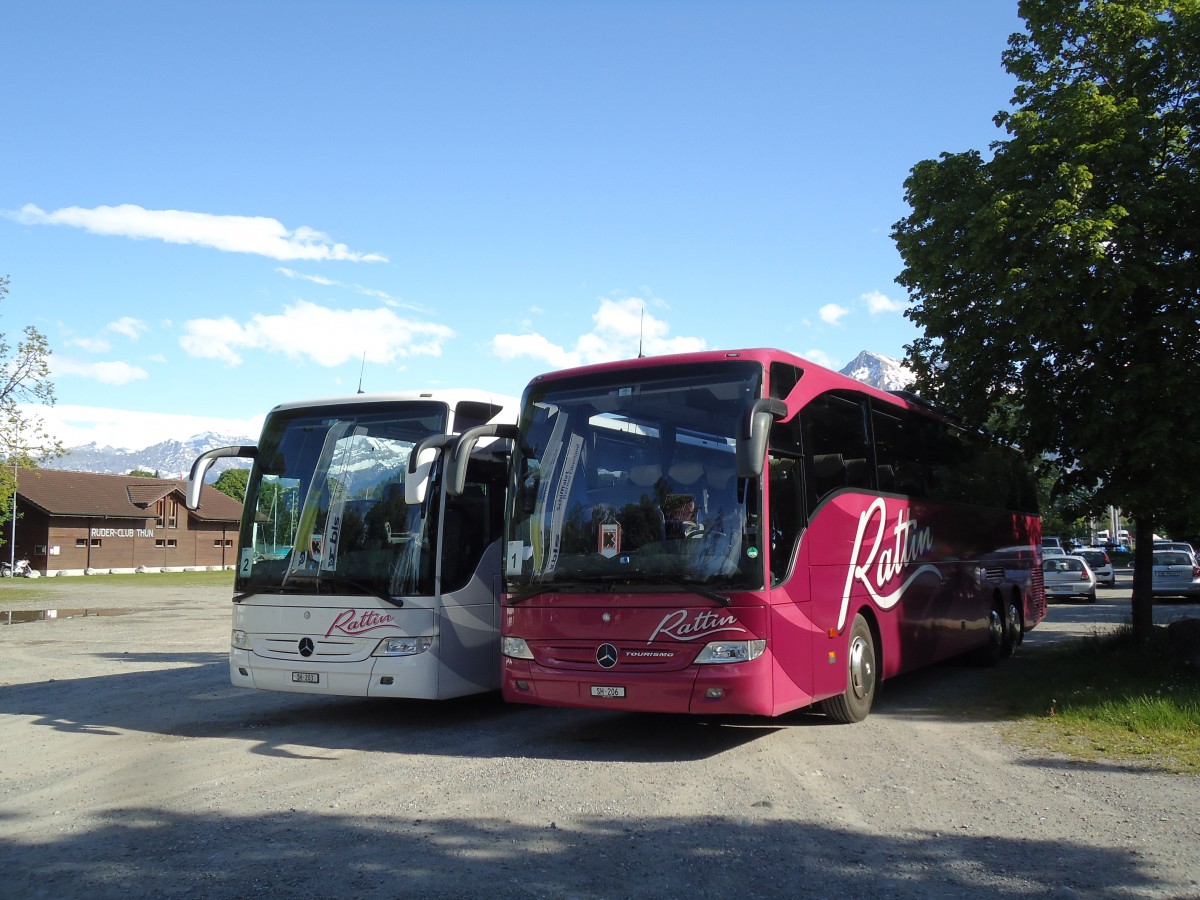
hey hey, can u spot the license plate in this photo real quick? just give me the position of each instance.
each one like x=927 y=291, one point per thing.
x=1167 y=574
x=607 y=690
x=306 y=677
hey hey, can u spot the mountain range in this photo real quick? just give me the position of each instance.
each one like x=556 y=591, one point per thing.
x=166 y=459
x=173 y=459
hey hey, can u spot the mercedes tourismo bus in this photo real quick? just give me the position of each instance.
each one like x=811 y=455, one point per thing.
x=358 y=572
x=747 y=532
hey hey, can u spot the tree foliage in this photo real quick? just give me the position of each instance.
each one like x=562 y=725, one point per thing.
x=1059 y=278
x=232 y=483
x=24 y=381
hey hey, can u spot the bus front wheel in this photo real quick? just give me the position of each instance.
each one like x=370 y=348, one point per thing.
x=853 y=704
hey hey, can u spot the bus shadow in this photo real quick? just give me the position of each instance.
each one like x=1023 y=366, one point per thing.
x=301 y=853
x=195 y=700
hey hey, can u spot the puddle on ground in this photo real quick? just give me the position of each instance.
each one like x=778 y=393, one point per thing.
x=17 y=616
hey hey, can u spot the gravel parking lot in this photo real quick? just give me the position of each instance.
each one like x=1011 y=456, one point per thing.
x=133 y=768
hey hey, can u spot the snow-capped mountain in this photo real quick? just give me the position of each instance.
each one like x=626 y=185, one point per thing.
x=879 y=371
x=167 y=459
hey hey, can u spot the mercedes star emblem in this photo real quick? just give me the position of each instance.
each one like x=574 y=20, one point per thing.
x=306 y=647
x=606 y=655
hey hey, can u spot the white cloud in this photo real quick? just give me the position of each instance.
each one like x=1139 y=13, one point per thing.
x=512 y=346
x=880 y=303
x=79 y=425
x=831 y=313
x=315 y=279
x=234 y=234
x=621 y=327
x=821 y=358
x=90 y=344
x=116 y=373
x=328 y=337
x=130 y=327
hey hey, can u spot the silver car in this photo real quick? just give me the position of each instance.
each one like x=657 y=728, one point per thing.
x=1100 y=563
x=1069 y=576
x=1175 y=574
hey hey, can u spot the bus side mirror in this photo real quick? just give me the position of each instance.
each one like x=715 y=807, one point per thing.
x=756 y=428
x=204 y=461
x=420 y=464
x=456 y=470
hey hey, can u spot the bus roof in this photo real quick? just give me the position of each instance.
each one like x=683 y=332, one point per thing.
x=825 y=380
x=449 y=396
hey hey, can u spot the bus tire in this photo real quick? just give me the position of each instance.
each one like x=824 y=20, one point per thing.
x=992 y=652
x=853 y=704
x=1013 y=633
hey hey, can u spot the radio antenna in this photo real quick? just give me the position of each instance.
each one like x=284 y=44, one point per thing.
x=641 y=331
x=360 y=371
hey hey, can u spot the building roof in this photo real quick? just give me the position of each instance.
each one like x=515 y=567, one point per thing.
x=61 y=493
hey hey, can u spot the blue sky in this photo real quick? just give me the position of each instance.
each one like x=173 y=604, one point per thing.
x=212 y=208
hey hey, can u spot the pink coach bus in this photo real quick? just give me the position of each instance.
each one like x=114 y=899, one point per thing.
x=747 y=532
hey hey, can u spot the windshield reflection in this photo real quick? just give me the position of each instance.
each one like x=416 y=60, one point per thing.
x=330 y=515
x=633 y=484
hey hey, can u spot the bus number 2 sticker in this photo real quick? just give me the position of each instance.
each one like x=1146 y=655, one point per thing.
x=246 y=561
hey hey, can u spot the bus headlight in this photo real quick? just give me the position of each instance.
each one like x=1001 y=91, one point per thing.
x=515 y=648
x=731 y=651
x=403 y=646
x=239 y=639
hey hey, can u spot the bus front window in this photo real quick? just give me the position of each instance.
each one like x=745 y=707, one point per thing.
x=329 y=513
x=632 y=484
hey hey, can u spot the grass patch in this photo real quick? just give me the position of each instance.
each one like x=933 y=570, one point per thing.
x=13 y=590
x=1108 y=697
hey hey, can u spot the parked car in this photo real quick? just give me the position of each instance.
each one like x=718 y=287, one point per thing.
x=1174 y=545
x=1175 y=574
x=1068 y=576
x=1053 y=551
x=1101 y=565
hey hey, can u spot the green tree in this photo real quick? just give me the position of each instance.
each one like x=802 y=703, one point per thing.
x=142 y=473
x=1062 y=275
x=24 y=381
x=232 y=483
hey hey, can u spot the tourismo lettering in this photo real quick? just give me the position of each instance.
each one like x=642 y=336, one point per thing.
x=352 y=622
x=677 y=625
x=887 y=559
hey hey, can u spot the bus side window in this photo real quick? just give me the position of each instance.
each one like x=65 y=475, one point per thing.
x=788 y=504
x=896 y=459
x=837 y=446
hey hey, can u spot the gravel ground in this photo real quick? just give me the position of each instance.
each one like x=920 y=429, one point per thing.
x=133 y=768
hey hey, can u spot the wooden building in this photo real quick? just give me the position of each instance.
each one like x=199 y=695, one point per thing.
x=73 y=523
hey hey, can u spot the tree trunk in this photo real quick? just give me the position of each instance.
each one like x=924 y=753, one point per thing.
x=1143 y=564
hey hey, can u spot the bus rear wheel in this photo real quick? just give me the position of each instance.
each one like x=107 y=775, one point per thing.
x=1013 y=633
x=992 y=652
x=853 y=704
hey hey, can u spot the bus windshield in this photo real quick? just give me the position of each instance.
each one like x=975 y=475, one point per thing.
x=629 y=482
x=325 y=506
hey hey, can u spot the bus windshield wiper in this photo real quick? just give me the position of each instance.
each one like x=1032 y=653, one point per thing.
x=589 y=587
x=325 y=584
x=697 y=589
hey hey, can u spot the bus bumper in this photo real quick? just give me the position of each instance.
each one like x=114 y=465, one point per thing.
x=415 y=677
x=726 y=689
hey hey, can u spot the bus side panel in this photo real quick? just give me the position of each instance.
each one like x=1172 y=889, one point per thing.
x=468 y=648
x=919 y=572
x=792 y=640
